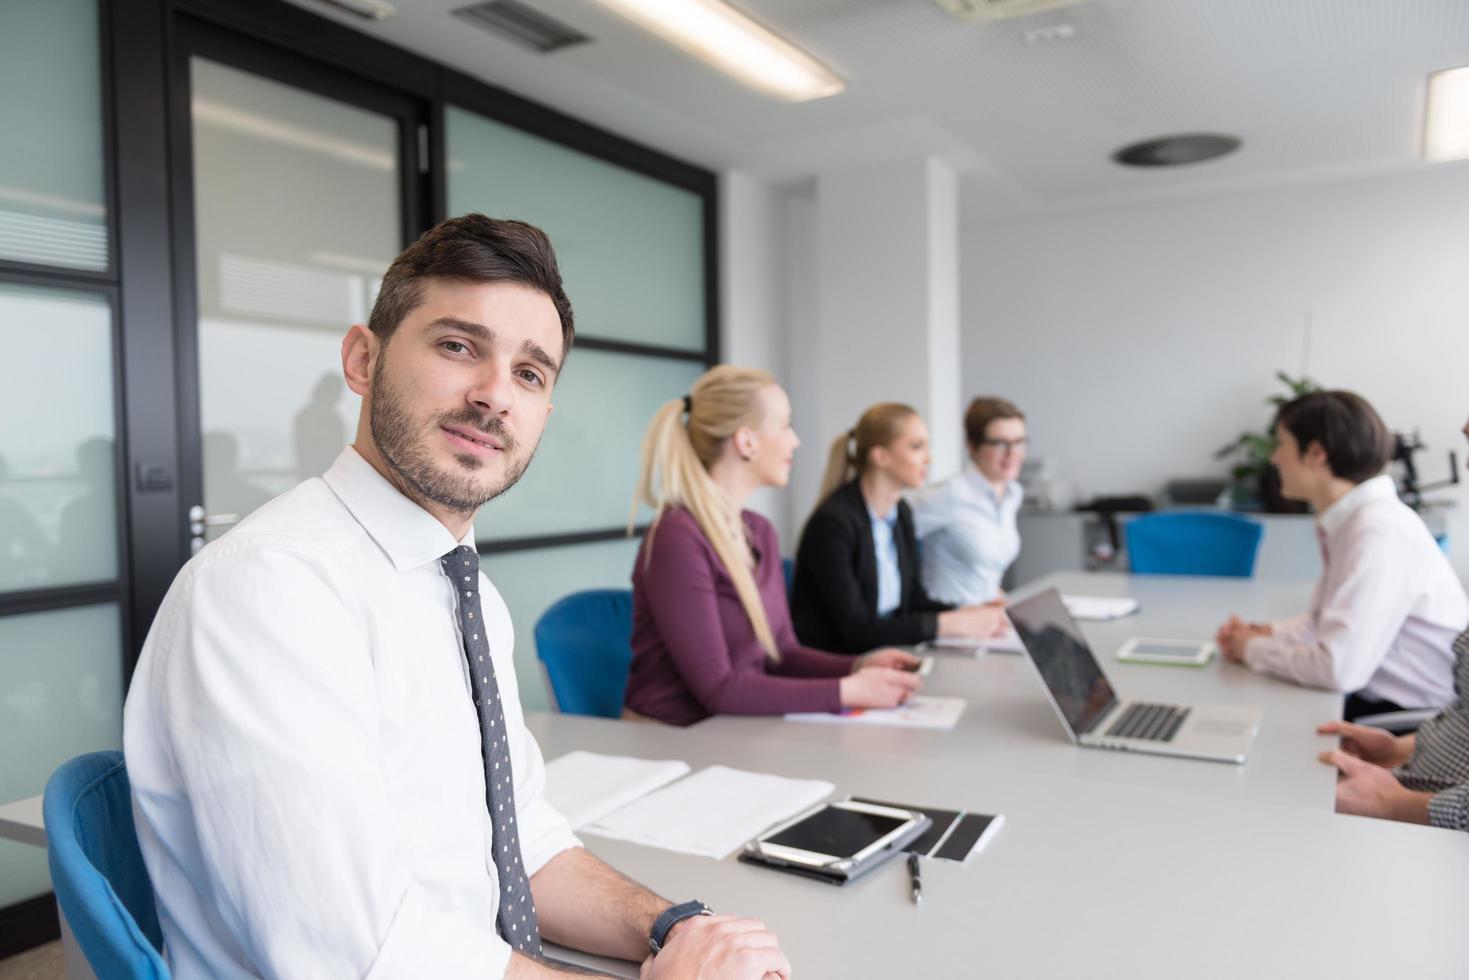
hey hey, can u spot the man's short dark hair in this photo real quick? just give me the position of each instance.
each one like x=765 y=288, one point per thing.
x=1349 y=430
x=981 y=412
x=471 y=248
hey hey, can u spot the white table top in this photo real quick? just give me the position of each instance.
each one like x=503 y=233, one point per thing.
x=1088 y=878
x=21 y=821
x=1009 y=723
x=1110 y=864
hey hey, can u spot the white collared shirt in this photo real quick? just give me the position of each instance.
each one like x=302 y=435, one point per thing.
x=305 y=755
x=885 y=550
x=1384 y=613
x=969 y=536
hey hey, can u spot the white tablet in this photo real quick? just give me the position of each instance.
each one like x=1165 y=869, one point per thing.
x=838 y=840
x=1185 y=653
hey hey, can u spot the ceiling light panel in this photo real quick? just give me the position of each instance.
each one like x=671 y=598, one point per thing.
x=731 y=41
x=1446 y=124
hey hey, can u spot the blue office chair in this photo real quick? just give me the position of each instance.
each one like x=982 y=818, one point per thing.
x=585 y=641
x=788 y=565
x=1192 y=543
x=97 y=870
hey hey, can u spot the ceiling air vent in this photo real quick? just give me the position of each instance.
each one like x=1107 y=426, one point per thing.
x=986 y=10
x=522 y=24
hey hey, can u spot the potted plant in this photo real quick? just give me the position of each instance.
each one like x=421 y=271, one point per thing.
x=1256 y=484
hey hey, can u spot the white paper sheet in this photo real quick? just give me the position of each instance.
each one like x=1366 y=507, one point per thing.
x=921 y=711
x=1099 y=608
x=713 y=812
x=585 y=786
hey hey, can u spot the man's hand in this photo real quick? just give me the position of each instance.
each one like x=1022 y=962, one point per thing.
x=886 y=657
x=1365 y=790
x=1374 y=745
x=1235 y=635
x=718 y=947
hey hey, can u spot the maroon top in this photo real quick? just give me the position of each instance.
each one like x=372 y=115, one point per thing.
x=694 y=650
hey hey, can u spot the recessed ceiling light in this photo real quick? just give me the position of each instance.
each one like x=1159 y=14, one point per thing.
x=1175 y=151
x=737 y=45
x=1446 y=124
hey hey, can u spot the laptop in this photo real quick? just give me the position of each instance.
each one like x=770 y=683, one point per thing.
x=1096 y=717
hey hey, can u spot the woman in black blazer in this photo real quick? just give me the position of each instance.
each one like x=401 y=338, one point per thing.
x=836 y=595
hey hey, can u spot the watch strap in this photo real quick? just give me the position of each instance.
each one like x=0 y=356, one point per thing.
x=671 y=917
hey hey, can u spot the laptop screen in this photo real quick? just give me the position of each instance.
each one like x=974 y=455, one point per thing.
x=1065 y=661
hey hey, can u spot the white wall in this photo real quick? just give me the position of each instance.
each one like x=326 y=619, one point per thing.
x=1140 y=340
x=752 y=296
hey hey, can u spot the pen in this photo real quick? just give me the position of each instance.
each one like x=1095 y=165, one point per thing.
x=917 y=881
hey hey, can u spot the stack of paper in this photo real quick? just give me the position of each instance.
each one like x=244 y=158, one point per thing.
x=585 y=786
x=921 y=711
x=712 y=812
x=1099 y=607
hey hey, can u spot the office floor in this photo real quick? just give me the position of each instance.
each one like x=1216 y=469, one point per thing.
x=41 y=963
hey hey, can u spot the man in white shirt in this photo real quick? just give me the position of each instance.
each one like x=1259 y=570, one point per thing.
x=1388 y=606
x=331 y=772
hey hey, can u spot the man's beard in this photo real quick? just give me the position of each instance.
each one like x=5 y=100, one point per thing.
x=393 y=429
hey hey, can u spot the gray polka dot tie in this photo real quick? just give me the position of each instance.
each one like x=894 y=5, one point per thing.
x=516 y=922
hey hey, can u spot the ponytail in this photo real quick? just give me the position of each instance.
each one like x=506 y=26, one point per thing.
x=880 y=425
x=674 y=471
x=841 y=466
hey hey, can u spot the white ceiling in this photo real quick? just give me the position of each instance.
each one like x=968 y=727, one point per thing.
x=1317 y=89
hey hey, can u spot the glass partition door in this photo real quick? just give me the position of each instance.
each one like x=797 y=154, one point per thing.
x=298 y=207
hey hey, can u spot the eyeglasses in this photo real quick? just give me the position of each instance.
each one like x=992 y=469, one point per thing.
x=1006 y=445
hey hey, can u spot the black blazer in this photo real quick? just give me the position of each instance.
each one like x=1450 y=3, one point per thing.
x=834 y=598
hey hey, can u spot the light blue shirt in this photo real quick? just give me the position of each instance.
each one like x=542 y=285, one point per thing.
x=885 y=546
x=968 y=535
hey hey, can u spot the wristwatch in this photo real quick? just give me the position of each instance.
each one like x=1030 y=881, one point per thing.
x=671 y=917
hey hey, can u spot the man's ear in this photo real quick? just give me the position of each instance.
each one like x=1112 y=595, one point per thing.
x=360 y=351
x=1315 y=455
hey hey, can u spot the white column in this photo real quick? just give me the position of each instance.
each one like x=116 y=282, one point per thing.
x=884 y=321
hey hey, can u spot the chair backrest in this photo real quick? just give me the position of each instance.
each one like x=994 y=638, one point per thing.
x=1191 y=543
x=97 y=871
x=585 y=641
x=788 y=566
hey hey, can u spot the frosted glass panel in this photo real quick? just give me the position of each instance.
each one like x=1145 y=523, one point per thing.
x=52 y=208
x=297 y=202
x=630 y=248
x=60 y=695
x=586 y=468
x=530 y=581
x=58 y=523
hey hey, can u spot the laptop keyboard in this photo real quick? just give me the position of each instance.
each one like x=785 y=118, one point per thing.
x=1151 y=722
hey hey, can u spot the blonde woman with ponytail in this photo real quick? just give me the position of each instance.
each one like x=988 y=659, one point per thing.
x=712 y=631
x=857 y=582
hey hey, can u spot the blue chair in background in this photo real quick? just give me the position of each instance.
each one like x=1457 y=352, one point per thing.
x=788 y=565
x=585 y=641
x=1190 y=543
x=97 y=871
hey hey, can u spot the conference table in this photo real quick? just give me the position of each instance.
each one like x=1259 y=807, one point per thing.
x=1110 y=864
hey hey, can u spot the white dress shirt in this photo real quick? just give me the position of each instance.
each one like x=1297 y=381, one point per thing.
x=305 y=755
x=968 y=536
x=1384 y=613
x=885 y=550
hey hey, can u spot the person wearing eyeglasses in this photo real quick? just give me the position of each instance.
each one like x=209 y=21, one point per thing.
x=857 y=584
x=966 y=524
